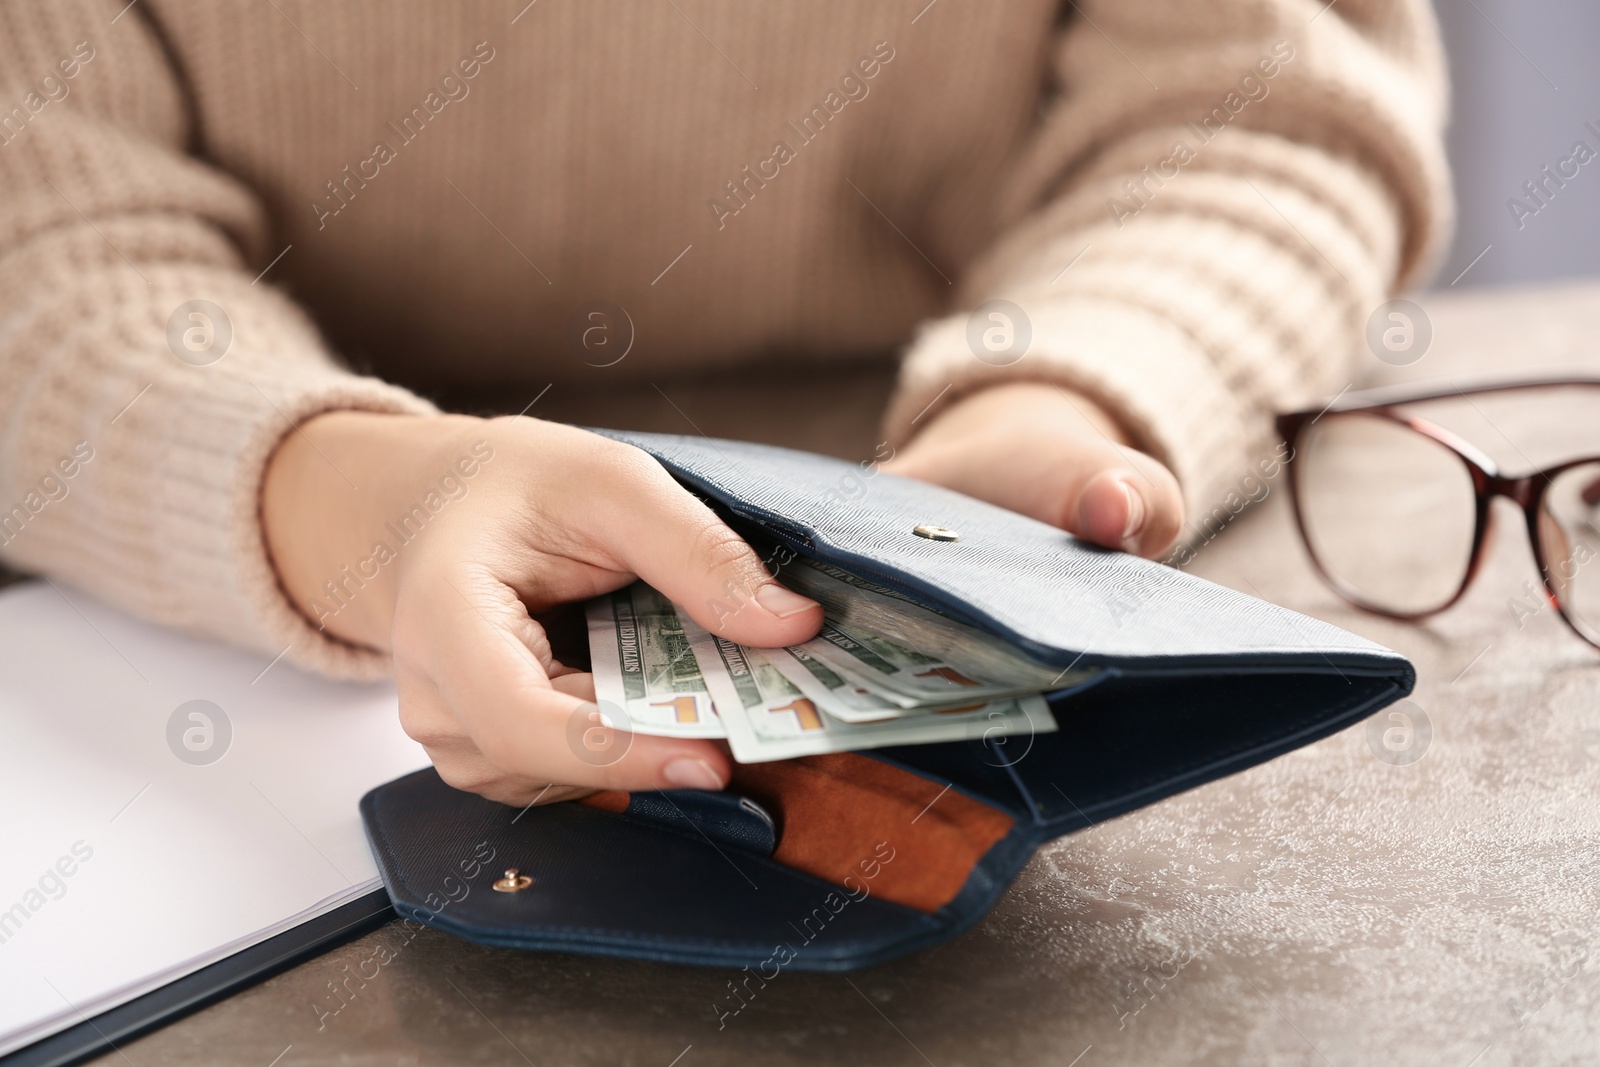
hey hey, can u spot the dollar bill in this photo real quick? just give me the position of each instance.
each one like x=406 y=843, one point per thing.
x=897 y=672
x=643 y=665
x=857 y=607
x=840 y=696
x=768 y=717
x=847 y=697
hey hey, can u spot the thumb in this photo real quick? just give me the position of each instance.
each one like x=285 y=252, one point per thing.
x=702 y=565
x=1137 y=510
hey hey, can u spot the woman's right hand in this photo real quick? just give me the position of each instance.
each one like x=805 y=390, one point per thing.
x=437 y=539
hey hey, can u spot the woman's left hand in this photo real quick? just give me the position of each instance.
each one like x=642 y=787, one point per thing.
x=1054 y=455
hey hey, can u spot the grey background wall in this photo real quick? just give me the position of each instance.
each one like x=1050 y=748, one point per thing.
x=1526 y=80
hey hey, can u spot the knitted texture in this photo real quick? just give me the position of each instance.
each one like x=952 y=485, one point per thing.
x=438 y=192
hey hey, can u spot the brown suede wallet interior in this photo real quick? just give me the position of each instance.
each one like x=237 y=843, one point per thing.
x=862 y=824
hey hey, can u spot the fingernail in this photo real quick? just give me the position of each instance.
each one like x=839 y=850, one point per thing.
x=1130 y=532
x=686 y=772
x=776 y=600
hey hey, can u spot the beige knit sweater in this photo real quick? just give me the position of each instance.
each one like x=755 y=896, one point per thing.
x=1196 y=204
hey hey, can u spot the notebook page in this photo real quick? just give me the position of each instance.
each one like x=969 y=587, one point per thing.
x=147 y=835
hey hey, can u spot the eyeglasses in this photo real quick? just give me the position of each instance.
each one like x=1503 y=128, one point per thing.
x=1394 y=509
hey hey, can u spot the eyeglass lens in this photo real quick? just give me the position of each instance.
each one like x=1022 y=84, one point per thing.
x=1389 y=513
x=1569 y=541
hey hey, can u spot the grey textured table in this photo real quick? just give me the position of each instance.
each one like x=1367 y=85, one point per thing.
x=1330 y=907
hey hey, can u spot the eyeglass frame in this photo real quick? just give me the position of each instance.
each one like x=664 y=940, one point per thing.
x=1527 y=491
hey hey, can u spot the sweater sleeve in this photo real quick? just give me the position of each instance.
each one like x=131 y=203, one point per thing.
x=146 y=372
x=1214 y=200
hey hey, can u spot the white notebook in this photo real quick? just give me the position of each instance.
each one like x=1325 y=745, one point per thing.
x=138 y=848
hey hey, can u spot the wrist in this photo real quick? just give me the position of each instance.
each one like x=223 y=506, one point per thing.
x=336 y=512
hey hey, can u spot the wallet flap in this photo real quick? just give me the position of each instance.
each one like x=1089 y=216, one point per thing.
x=1058 y=599
x=442 y=853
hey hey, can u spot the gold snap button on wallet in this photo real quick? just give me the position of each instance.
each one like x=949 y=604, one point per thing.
x=513 y=882
x=935 y=533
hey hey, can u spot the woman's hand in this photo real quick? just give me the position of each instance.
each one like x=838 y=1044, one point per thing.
x=1054 y=455
x=461 y=530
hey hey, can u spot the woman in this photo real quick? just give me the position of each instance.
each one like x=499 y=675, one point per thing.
x=1112 y=237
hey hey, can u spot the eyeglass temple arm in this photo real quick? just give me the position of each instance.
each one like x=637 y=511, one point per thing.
x=1385 y=396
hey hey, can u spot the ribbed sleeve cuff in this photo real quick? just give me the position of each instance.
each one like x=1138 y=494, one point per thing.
x=244 y=437
x=164 y=518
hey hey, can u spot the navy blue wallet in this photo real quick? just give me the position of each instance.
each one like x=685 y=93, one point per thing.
x=836 y=862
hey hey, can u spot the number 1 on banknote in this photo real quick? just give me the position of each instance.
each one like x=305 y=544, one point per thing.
x=644 y=670
x=805 y=713
x=684 y=708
